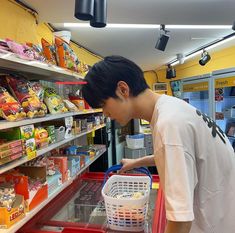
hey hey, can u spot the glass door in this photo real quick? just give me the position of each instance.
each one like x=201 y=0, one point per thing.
x=196 y=93
x=224 y=104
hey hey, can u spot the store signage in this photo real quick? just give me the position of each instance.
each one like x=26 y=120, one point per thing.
x=202 y=86
x=225 y=82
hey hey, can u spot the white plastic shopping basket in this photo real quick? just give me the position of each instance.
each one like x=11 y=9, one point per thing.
x=126 y=214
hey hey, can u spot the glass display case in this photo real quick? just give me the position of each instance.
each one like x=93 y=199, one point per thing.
x=224 y=101
x=80 y=208
x=196 y=92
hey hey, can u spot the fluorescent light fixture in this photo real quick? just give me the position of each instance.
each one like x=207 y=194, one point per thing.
x=150 y=26
x=111 y=25
x=198 y=26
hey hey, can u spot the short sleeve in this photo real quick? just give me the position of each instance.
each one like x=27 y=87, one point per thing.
x=178 y=177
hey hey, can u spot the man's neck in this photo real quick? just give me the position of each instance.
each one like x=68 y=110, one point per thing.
x=144 y=104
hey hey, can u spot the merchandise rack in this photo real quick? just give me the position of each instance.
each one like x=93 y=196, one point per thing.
x=43 y=151
x=36 y=70
x=7 y=124
x=32 y=213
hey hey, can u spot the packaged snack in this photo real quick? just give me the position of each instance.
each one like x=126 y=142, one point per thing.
x=83 y=68
x=41 y=137
x=10 y=109
x=37 y=51
x=22 y=51
x=7 y=195
x=78 y=101
x=49 y=51
x=54 y=102
x=27 y=97
x=38 y=89
x=65 y=55
x=70 y=106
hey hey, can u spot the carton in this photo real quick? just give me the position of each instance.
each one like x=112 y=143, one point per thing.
x=8 y=217
x=21 y=185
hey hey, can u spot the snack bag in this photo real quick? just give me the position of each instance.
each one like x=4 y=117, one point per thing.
x=22 y=51
x=10 y=109
x=37 y=51
x=70 y=106
x=49 y=51
x=83 y=68
x=38 y=89
x=27 y=97
x=41 y=137
x=54 y=102
x=65 y=55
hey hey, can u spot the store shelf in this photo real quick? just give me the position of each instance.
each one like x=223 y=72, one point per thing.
x=45 y=150
x=32 y=213
x=36 y=70
x=7 y=124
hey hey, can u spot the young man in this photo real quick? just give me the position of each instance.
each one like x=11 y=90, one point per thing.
x=195 y=160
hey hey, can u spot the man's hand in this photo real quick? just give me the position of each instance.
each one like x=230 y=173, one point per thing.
x=129 y=164
x=178 y=227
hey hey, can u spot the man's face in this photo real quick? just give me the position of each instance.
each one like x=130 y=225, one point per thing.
x=117 y=109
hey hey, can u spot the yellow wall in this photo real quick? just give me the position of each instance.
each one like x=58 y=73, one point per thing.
x=219 y=60
x=20 y=25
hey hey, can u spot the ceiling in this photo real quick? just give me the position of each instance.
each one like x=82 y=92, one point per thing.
x=139 y=44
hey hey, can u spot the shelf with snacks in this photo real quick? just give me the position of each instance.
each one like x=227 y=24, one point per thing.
x=43 y=151
x=36 y=70
x=4 y=124
x=33 y=212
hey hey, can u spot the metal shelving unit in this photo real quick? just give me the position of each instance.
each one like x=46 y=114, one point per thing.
x=7 y=124
x=43 y=151
x=32 y=213
x=35 y=70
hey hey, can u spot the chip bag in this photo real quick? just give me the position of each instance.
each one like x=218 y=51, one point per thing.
x=65 y=55
x=23 y=91
x=49 y=51
x=54 y=102
x=10 y=109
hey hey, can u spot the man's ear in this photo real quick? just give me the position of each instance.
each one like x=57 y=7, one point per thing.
x=122 y=89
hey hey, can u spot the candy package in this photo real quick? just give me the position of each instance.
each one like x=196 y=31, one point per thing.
x=7 y=195
x=26 y=96
x=22 y=51
x=49 y=51
x=38 y=89
x=54 y=102
x=65 y=55
x=10 y=109
x=70 y=106
x=37 y=51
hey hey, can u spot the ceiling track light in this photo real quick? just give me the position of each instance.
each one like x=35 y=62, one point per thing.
x=163 y=39
x=84 y=9
x=205 y=58
x=170 y=72
x=100 y=14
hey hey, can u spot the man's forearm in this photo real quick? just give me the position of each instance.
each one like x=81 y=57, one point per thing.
x=178 y=227
x=146 y=161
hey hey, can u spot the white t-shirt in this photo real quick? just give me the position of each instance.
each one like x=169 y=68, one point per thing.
x=196 y=165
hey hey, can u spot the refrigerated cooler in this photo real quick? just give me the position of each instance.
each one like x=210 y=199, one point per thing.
x=224 y=101
x=80 y=208
x=196 y=92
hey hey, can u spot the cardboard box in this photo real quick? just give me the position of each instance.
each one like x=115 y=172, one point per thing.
x=26 y=133
x=9 y=217
x=10 y=158
x=11 y=144
x=54 y=182
x=21 y=182
x=61 y=164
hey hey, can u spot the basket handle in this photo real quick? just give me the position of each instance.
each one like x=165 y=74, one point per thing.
x=119 y=166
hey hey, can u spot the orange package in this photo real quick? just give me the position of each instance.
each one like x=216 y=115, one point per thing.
x=49 y=51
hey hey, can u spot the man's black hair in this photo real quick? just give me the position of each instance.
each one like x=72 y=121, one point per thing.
x=103 y=77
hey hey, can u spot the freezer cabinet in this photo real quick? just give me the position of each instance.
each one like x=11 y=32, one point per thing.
x=80 y=208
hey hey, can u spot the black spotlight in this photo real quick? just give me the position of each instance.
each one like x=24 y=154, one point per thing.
x=84 y=9
x=170 y=72
x=205 y=57
x=233 y=27
x=100 y=14
x=163 y=39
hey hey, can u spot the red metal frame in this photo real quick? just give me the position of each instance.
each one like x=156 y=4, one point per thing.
x=42 y=218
